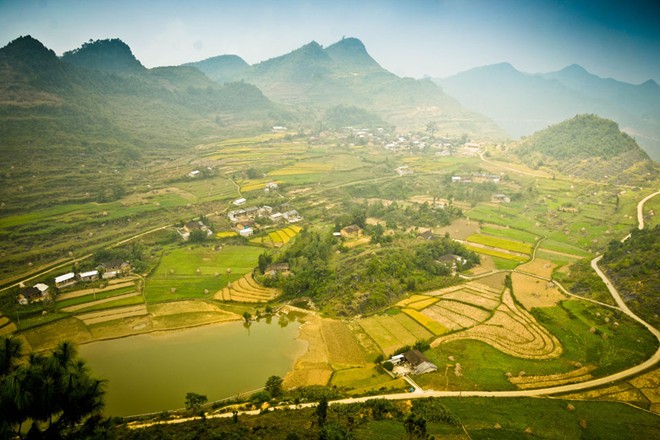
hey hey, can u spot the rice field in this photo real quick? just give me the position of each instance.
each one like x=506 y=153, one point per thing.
x=302 y=168
x=279 y=237
x=499 y=254
x=246 y=289
x=501 y=243
x=393 y=332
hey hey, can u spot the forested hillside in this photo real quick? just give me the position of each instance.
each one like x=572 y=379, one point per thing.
x=585 y=146
x=634 y=267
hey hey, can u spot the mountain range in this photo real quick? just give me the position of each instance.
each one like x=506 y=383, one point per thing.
x=344 y=74
x=522 y=103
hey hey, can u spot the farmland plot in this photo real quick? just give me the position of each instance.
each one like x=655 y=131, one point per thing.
x=343 y=349
x=512 y=331
x=246 y=289
x=390 y=332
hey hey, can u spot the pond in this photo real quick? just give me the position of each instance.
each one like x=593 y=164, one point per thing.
x=153 y=372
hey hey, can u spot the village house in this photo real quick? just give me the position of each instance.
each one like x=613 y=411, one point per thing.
x=277 y=268
x=276 y=217
x=453 y=262
x=89 y=275
x=31 y=295
x=426 y=235
x=239 y=202
x=419 y=363
x=404 y=170
x=194 y=225
x=271 y=186
x=351 y=231
x=114 y=268
x=501 y=198
x=246 y=232
x=194 y=173
x=292 y=216
x=67 y=279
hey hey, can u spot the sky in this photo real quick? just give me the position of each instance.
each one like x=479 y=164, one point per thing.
x=435 y=38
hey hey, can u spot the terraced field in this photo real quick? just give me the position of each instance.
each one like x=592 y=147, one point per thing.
x=279 y=237
x=393 y=332
x=246 y=289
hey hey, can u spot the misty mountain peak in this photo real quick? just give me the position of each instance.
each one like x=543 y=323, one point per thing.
x=28 y=48
x=109 y=55
x=351 y=52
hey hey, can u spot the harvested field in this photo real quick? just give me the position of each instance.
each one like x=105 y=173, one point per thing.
x=512 y=331
x=484 y=300
x=496 y=252
x=71 y=329
x=412 y=299
x=343 y=349
x=495 y=281
x=420 y=332
x=530 y=382
x=110 y=287
x=246 y=289
x=112 y=314
x=8 y=329
x=89 y=304
x=540 y=267
x=365 y=341
x=459 y=229
x=420 y=305
x=386 y=339
x=501 y=243
x=532 y=292
x=313 y=367
x=433 y=326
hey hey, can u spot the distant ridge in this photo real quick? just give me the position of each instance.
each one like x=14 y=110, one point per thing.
x=108 y=55
x=344 y=75
x=523 y=103
x=223 y=68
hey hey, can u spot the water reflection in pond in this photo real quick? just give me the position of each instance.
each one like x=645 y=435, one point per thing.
x=153 y=372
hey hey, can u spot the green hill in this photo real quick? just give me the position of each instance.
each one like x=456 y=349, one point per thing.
x=585 y=146
x=57 y=116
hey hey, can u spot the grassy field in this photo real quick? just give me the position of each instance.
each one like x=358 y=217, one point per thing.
x=501 y=243
x=198 y=272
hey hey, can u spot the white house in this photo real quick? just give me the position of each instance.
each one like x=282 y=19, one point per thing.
x=89 y=275
x=239 y=202
x=194 y=173
x=65 y=280
x=246 y=232
x=43 y=288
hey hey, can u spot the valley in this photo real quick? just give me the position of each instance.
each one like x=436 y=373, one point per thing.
x=361 y=255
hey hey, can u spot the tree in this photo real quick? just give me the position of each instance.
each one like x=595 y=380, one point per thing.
x=53 y=391
x=264 y=260
x=195 y=401
x=274 y=386
x=247 y=316
x=197 y=236
x=415 y=427
x=322 y=411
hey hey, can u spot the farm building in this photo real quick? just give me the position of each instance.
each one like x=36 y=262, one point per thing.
x=89 y=275
x=501 y=198
x=292 y=216
x=65 y=280
x=239 y=202
x=397 y=359
x=43 y=288
x=115 y=268
x=194 y=173
x=351 y=230
x=30 y=295
x=246 y=232
x=277 y=268
x=418 y=362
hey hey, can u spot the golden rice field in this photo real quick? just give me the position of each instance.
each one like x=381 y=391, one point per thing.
x=254 y=184
x=501 y=243
x=279 y=237
x=391 y=332
x=512 y=331
x=429 y=323
x=246 y=289
x=495 y=253
x=303 y=168
x=225 y=234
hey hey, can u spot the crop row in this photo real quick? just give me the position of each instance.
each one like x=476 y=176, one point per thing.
x=495 y=253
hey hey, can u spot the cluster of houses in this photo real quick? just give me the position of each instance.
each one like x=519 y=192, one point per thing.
x=476 y=178
x=193 y=225
x=412 y=362
x=40 y=291
x=242 y=220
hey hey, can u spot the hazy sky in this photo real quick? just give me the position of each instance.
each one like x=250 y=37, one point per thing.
x=619 y=39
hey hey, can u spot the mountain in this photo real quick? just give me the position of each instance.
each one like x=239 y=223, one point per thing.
x=53 y=110
x=223 y=68
x=344 y=74
x=523 y=103
x=586 y=146
x=108 y=55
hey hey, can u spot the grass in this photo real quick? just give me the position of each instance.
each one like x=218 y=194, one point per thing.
x=501 y=243
x=178 y=269
x=100 y=294
x=130 y=301
x=498 y=254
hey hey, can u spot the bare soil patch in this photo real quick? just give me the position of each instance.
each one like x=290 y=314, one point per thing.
x=533 y=292
x=540 y=267
x=459 y=229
